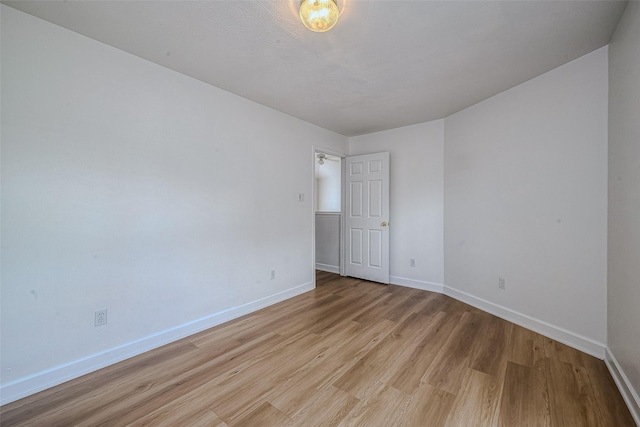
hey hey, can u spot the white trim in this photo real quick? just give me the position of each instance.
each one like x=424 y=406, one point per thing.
x=557 y=333
x=343 y=209
x=416 y=284
x=629 y=394
x=51 y=377
x=329 y=268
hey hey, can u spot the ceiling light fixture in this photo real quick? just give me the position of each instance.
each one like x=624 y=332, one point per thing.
x=319 y=15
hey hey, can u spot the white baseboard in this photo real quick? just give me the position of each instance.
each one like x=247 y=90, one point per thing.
x=629 y=394
x=557 y=333
x=328 y=268
x=416 y=284
x=51 y=377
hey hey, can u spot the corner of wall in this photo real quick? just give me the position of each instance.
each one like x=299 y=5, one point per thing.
x=572 y=339
x=629 y=395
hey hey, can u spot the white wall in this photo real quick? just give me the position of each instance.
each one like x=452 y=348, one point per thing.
x=416 y=200
x=624 y=202
x=526 y=200
x=130 y=187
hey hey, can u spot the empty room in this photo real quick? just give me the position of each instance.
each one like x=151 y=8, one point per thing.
x=320 y=213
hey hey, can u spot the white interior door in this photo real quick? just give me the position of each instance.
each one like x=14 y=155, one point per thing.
x=367 y=217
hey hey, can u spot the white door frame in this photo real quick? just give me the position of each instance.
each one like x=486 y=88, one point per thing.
x=314 y=150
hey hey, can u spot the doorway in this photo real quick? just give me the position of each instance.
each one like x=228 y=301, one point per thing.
x=351 y=238
x=328 y=202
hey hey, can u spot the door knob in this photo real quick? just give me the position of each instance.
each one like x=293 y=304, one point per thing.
x=384 y=223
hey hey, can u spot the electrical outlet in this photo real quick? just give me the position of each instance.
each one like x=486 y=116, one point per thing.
x=100 y=318
x=412 y=262
x=502 y=284
x=273 y=274
x=301 y=197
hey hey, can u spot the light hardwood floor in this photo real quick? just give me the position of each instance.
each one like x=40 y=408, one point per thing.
x=349 y=353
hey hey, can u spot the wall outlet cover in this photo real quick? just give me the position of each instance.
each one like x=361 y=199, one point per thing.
x=100 y=318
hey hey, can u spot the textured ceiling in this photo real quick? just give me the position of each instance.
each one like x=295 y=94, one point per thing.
x=386 y=64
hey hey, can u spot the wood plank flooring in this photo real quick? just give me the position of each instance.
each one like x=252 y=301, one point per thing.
x=349 y=353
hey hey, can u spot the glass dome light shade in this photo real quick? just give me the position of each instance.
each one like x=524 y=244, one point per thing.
x=319 y=15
